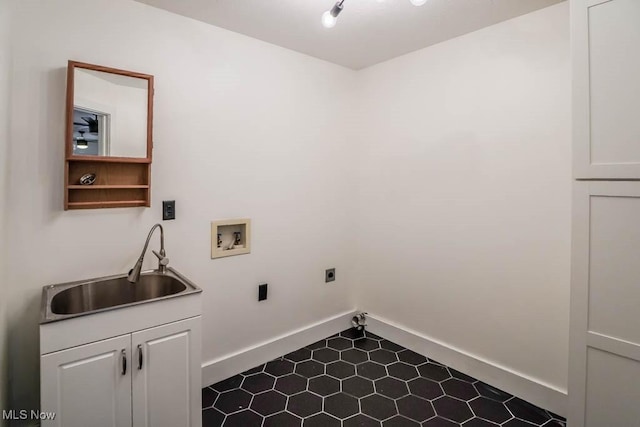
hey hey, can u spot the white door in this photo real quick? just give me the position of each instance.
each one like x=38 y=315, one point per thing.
x=604 y=370
x=89 y=385
x=606 y=88
x=167 y=375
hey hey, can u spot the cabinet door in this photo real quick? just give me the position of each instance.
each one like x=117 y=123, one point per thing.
x=606 y=88
x=604 y=369
x=167 y=375
x=88 y=385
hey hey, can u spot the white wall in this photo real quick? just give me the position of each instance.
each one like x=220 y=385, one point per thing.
x=4 y=146
x=465 y=187
x=242 y=129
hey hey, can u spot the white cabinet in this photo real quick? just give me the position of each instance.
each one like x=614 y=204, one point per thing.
x=148 y=378
x=604 y=370
x=87 y=385
x=167 y=376
x=606 y=88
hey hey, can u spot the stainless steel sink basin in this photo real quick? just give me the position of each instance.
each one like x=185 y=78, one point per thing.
x=106 y=293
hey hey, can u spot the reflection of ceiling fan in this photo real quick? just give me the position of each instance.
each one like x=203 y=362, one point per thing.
x=90 y=122
x=81 y=143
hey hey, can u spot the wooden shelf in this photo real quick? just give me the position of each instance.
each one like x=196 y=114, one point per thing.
x=106 y=187
x=117 y=185
x=103 y=159
x=108 y=204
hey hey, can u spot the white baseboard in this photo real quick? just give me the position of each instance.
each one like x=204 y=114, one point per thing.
x=537 y=392
x=247 y=358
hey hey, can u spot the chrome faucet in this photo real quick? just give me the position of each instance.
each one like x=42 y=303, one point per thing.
x=134 y=273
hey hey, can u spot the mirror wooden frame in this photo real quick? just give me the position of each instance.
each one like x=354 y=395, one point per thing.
x=119 y=181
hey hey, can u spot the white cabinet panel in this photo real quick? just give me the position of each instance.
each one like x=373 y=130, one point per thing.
x=167 y=377
x=612 y=390
x=604 y=370
x=88 y=385
x=606 y=75
x=614 y=59
x=614 y=267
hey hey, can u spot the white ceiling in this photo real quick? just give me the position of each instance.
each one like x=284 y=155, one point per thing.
x=367 y=32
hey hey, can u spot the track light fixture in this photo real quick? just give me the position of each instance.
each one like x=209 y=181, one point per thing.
x=330 y=17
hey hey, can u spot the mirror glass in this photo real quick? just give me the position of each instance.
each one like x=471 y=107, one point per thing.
x=109 y=114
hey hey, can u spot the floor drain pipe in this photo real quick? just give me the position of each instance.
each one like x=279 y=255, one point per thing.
x=359 y=322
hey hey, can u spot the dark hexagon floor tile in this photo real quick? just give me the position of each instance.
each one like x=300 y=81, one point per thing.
x=283 y=419
x=366 y=344
x=339 y=343
x=279 y=368
x=458 y=388
x=411 y=357
x=324 y=385
x=415 y=408
x=354 y=356
x=321 y=420
x=357 y=386
x=515 y=422
x=258 y=383
x=391 y=346
x=304 y=404
x=341 y=369
x=399 y=421
x=384 y=357
x=361 y=420
x=233 y=401
x=554 y=423
x=490 y=410
x=371 y=370
x=402 y=371
x=309 y=368
x=425 y=388
x=228 y=384
x=299 y=355
x=372 y=336
x=212 y=418
x=556 y=417
x=209 y=396
x=243 y=419
x=479 y=422
x=352 y=334
x=341 y=405
x=439 y=422
x=452 y=409
x=528 y=412
x=268 y=403
x=491 y=392
x=459 y=375
x=317 y=345
x=378 y=407
x=391 y=387
x=434 y=372
x=326 y=355
x=291 y=384
x=253 y=370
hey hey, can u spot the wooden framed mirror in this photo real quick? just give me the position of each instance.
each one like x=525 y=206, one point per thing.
x=108 y=138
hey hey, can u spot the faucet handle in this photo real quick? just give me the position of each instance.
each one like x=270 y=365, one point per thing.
x=161 y=258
